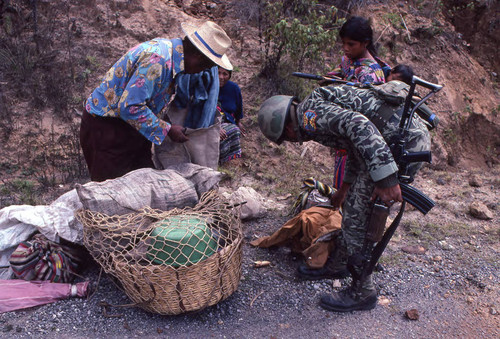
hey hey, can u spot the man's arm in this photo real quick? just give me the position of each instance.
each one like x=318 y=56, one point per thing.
x=149 y=77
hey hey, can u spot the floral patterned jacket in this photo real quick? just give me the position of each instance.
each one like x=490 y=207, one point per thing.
x=139 y=85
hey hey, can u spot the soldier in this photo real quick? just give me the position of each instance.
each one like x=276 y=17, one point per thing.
x=362 y=122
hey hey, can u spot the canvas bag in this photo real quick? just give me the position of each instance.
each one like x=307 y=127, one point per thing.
x=201 y=149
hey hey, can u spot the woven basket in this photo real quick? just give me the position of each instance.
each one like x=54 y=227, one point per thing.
x=120 y=245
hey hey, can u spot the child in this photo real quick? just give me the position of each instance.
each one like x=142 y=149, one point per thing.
x=360 y=62
x=402 y=73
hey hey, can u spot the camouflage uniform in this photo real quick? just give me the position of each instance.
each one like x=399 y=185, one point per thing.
x=361 y=122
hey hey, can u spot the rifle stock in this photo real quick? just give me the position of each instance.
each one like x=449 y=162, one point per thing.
x=332 y=79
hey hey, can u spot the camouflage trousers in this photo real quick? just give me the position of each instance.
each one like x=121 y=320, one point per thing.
x=357 y=206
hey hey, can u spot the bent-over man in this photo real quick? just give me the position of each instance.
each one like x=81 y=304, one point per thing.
x=363 y=123
x=121 y=118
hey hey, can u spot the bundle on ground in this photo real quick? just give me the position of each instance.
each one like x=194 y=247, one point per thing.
x=170 y=262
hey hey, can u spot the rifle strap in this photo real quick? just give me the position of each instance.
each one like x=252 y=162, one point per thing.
x=382 y=244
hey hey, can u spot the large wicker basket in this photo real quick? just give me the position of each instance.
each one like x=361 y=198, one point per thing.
x=122 y=245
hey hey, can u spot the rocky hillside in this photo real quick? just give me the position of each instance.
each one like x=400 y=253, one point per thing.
x=53 y=53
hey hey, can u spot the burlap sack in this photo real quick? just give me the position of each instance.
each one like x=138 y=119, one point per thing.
x=159 y=189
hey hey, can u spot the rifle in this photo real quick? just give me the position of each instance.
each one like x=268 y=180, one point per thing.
x=370 y=254
x=427 y=115
x=329 y=79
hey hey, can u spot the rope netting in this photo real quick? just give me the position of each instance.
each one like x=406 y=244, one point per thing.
x=170 y=262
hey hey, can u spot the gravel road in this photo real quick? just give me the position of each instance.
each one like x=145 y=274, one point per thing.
x=453 y=298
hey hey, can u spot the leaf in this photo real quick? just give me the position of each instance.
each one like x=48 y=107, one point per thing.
x=263 y=263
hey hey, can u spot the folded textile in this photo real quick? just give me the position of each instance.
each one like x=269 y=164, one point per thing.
x=301 y=232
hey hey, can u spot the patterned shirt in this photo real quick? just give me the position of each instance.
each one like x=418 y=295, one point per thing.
x=139 y=86
x=361 y=70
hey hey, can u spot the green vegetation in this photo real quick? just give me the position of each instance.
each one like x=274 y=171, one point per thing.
x=430 y=8
x=495 y=111
x=429 y=233
x=19 y=191
x=393 y=19
x=392 y=258
x=296 y=36
x=450 y=136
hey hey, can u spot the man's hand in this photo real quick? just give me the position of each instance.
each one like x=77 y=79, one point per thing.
x=176 y=133
x=388 y=195
x=337 y=199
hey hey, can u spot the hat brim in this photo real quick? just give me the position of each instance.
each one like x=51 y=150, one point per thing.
x=222 y=61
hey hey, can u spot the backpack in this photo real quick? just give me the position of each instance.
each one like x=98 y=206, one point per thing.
x=395 y=93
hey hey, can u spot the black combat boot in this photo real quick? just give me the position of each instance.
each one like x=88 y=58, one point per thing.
x=353 y=298
x=335 y=268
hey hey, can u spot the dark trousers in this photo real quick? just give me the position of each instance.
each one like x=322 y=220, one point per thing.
x=112 y=147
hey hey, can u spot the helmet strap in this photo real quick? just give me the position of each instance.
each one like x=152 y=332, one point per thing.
x=295 y=124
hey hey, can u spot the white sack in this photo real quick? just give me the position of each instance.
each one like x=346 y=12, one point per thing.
x=254 y=206
x=19 y=222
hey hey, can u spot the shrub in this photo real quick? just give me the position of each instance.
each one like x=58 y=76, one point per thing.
x=296 y=35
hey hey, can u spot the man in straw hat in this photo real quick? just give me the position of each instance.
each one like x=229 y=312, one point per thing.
x=121 y=117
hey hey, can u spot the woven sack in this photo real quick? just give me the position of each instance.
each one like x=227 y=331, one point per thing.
x=170 y=262
x=202 y=148
x=163 y=189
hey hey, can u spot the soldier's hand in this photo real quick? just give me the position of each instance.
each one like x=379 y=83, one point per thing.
x=337 y=199
x=177 y=133
x=388 y=195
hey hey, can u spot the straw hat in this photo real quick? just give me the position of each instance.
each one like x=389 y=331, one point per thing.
x=211 y=40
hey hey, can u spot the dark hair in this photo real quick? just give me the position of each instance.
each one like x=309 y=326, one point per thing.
x=405 y=73
x=358 y=28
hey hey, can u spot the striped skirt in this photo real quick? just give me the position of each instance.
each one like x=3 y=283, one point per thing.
x=230 y=147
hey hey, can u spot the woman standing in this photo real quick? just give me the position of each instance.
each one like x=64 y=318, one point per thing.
x=231 y=108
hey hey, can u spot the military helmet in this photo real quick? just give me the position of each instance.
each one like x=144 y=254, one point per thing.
x=273 y=115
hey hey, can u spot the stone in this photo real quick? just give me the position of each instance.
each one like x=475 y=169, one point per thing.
x=475 y=181
x=440 y=181
x=384 y=301
x=445 y=246
x=412 y=314
x=414 y=249
x=480 y=211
